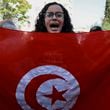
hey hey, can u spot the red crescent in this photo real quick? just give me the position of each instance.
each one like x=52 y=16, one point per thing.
x=30 y=92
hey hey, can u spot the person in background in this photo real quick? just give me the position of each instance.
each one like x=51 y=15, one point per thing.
x=95 y=28
x=53 y=18
x=8 y=24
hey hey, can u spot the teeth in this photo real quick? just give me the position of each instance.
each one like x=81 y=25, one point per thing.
x=54 y=28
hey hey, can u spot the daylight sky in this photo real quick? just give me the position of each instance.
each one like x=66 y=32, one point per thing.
x=87 y=13
x=84 y=13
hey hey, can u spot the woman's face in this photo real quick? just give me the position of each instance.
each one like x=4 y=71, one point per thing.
x=54 y=19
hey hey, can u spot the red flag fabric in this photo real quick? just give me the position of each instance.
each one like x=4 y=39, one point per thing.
x=43 y=71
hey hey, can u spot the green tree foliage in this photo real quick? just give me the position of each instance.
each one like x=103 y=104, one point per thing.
x=106 y=21
x=10 y=9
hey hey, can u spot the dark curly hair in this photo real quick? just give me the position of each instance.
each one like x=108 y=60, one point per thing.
x=40 y=27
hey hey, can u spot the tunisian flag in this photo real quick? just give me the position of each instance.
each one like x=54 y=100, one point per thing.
x=42 y=71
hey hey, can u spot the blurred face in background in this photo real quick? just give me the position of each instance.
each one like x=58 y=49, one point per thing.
x=54 y=19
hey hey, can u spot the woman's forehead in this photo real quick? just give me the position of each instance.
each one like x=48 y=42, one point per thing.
x=54 y=8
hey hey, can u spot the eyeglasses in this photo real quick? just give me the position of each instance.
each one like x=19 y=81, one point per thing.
x=57 y=14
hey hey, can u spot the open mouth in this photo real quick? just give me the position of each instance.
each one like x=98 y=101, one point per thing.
x=54 y=25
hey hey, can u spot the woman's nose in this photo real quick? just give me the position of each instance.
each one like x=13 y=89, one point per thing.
x=54 y=16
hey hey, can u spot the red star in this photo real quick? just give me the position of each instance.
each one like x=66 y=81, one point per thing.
x=56 y=95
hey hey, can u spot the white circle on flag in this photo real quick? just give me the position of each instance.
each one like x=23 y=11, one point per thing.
x=60 y=92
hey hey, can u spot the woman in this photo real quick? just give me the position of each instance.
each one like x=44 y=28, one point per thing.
x=53 y=18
